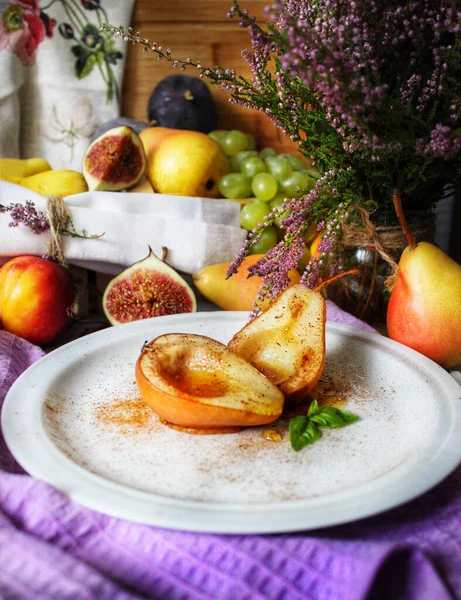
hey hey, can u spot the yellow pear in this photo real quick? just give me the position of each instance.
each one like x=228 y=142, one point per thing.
x=189 y=163
x=239 y=292
x=142 y=187
x=424 y=310
x=152 y=137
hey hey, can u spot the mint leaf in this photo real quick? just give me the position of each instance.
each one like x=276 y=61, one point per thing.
x=302 y=432
x=305 y=430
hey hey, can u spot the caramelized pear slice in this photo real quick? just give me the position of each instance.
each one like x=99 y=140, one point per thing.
x=193 y=381
x=287 y=341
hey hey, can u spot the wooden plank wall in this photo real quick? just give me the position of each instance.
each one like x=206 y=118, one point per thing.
x=198 y=29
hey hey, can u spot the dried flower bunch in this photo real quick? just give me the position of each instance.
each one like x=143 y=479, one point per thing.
x=370 y=90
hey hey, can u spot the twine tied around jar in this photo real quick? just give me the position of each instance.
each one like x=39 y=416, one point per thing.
x=385 y=239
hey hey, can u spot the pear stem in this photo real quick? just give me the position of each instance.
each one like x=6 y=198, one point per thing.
x=320 y=286
x=396 y=199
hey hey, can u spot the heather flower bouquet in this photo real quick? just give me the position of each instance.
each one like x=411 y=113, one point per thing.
x=371 y=92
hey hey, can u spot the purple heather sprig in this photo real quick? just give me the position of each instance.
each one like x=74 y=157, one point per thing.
x=26 y=214
x=275 y=265
x=364 y=57
x=37 y=220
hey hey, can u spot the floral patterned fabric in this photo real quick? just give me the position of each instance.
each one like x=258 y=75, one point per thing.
x=62 y=76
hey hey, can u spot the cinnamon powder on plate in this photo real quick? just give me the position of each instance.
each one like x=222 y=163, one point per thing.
x=128 y=414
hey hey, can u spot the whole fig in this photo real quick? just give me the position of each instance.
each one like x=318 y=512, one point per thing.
x=182 y=102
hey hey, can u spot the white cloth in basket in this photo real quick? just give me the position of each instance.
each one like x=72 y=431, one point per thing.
x=196 y=231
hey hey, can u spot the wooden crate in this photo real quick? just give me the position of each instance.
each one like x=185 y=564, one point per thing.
x=198 y=29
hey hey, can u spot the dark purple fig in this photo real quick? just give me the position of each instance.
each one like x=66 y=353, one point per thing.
x=182 y=102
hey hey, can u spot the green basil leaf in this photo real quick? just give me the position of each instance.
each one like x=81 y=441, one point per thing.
x=329 y=420
x=313 y=408
x=305 y=430
x=331 y=417
x=297 y=427
x=348 y=416
x=302 y=432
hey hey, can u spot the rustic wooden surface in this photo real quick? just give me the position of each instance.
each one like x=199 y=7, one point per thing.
x=198 y=29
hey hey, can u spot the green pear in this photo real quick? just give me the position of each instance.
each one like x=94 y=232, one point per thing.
x=424 y=310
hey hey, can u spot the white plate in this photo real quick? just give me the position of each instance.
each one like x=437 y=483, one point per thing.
x=62 y=420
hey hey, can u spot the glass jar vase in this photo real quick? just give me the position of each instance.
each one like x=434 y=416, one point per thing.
x=366 y=296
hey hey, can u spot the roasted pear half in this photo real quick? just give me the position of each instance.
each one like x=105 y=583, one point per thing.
x=193 y=381
x=287 y=342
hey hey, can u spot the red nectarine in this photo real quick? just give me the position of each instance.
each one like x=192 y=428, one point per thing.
x=36 y=295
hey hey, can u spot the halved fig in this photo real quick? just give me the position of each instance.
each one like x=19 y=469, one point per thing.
x=287 y=341
x=193 y=381
x=149 y=288
x=114 y=161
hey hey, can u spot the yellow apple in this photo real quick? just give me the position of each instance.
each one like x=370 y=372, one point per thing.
x=187 y=164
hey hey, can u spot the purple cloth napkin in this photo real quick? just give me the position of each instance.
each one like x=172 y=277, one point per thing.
x=53 y=548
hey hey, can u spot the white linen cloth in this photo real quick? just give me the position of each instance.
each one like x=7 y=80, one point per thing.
x=197 y=231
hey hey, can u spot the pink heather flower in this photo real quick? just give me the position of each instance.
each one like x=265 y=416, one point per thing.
x=442 y=143
x=23 y=28
x=27 y=215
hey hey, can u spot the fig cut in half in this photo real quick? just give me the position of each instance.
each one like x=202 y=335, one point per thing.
x=195 y=382
x=149 y=288
x=114 y=161
x=287 y=341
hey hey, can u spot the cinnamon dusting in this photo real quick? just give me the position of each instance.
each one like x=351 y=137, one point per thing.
x=128 y=414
